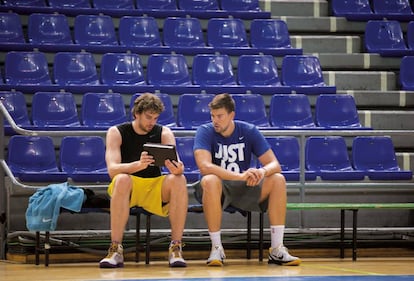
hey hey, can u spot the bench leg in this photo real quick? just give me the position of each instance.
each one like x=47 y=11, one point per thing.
x=249 y=235
x=354 y=234
x=342 y=235
x=37 y=248
x=147 y=240
x=261 y=236
x=47 y=248
x=137 y=237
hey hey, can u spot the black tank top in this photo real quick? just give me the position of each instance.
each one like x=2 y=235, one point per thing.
x=132 y=144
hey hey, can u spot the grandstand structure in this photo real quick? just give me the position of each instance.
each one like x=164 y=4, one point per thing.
x=71 y=78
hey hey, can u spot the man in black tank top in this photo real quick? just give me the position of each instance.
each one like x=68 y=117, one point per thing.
x=137 y=182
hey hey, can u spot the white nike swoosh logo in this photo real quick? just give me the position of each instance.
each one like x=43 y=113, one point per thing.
x=46 y=220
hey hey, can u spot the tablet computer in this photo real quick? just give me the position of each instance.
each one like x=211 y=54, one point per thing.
x=161 y=152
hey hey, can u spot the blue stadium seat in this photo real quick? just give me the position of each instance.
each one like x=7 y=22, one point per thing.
x=11 y=30
x=337 y=112
x=198 y=5
x=15 y=103
x=213 y=70
x=157 y=5
x=119 y=4
x=33 y=159
x=25 y=3
x=289 y=111
x=94 y=30
x=29 y=68
x=269 y=33
x=375 y=155
x=406 y=73
x=168 y=69
x=385 y=38
x=186 y=154
x=303 y=74
x=166 y=117
x=328 y=158
x=251 y=108
x=75 y=68
x=227 y=33
x=287 y=152
x=139 y=31
x=54 y=111
x=257 y=70
x=183 y=32
x=240 y=5
x=49 y=29
x=410 y=35
x=69 y=3
x=352 y=9
x=122 y=68
x=102 y=110
x=83 y=158
x=193 y=110
x=393 y=9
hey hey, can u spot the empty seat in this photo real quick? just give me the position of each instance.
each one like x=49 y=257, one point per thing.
x=209 y=69
x=385 y=37
x=193 y=110
x=94 y=30
x=251 y=108
x=198 y=5
x=337 y=112
x=183 y=32
x=328 y=158
x=119 y=4
x=240 y=5
x=269 y=33
x=11 y=30
x=406 y=73
x=69 y=3
x=138 y=31
x=54 y=111
x=122 y=68
x=157 y=4
x=15 y=103
x=83 y=158
x=352 y=9
x=33 y=158
x=75 y=68
x=29 y=68
x=25 y=3
x=167 y=69
x=289 y=111
x=102 y=110
x=399 y=9
x=166 y=117
x=257 y=70
x=376 y=156
x=287 y=151
x=186 y=154
x=49 y=29
x=226 y=32
x=410 y=35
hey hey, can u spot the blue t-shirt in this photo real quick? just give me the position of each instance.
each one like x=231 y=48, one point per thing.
x=233 y=153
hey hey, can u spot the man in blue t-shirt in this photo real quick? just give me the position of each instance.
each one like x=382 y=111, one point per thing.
x=223 y=151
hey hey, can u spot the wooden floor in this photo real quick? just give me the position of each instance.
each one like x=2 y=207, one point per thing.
x=233 y=270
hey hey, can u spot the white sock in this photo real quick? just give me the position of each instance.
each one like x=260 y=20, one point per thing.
x=276 y=235
x=215 y=238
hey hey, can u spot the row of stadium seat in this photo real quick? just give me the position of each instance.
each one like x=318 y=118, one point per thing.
x=169 y=73
x=99 y=111
x=97 y=33
x=33 y=158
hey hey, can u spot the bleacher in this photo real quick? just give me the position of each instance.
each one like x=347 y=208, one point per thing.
x=301 y=71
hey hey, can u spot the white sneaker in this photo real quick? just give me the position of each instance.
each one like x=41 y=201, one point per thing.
x=217 y=256
x=281 y=256
x=115 y=257
x=176 y=256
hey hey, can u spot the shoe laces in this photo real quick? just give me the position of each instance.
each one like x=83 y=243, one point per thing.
x=175 y=249
x=112 y=250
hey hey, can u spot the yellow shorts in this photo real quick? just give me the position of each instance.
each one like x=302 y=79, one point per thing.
x=146 y=193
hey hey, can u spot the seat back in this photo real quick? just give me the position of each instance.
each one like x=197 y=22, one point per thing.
x=122 y=68
x=75 y=68
x=410 y=35
x=138 y=31
x=385 y=7
x=11 y=30
x=406 y=73
x=290 y=111
x=69 y=3
x=336 y=111
x=251 y=108
x=186 y=154
x=54 y=109
x=269 y=33
x=25 y=3
x=49 y=28
x=167 y=69
x=341 y=7
x=383 y=35
x=327 y=154
x=209 y=69
x=193 y=110
x=157 y=4
x=302 y=70
x=94 y=30
x=167 y=117
x=286 y=150
x=226 y=32
x=119 y=4
x=183 y=32
x=15 y=103
x=198 y=5
x=102 y=110
x=29 y=68
x=257 y=70
x=240 y=5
